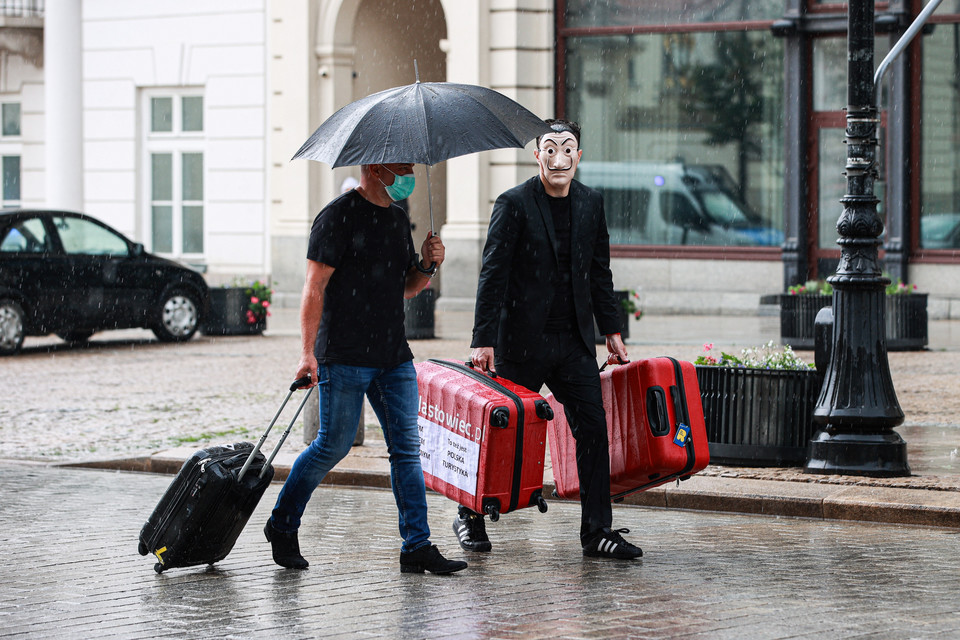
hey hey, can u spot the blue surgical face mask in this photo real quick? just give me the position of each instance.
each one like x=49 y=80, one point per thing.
x=402 y=186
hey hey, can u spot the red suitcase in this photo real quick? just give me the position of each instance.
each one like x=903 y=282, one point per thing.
x=482 y=439
x=654 y=423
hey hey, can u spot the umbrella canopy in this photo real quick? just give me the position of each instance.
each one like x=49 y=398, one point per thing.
x=421 y=123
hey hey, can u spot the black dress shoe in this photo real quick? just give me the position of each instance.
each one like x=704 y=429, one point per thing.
x=608 y=543
x=472 y=532
x=428 y=558
x=286 y=548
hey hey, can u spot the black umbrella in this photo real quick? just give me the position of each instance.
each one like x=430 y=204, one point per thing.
x=422 y=123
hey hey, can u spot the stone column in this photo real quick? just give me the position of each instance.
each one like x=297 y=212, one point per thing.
x=63 y=104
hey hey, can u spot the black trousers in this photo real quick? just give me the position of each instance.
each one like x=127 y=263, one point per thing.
x=570 y=372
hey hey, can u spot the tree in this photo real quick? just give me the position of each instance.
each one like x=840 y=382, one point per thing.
x=725 y=98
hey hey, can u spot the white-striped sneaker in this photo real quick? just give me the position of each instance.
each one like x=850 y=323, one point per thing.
x=471 y=532
x=608 y=543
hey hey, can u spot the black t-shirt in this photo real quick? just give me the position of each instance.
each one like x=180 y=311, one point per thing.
x=563 y=314
x=371 y=250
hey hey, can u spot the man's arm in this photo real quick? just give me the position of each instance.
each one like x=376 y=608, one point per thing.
x=432 y=251
x=311 y=311
x=601 y=287
x=502 y=235
x=498 y=254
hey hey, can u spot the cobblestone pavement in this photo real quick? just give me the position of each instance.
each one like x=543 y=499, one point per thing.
x=126 y=395
x=703 y=576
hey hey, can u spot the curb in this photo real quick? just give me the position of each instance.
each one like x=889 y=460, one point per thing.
x=915 y=507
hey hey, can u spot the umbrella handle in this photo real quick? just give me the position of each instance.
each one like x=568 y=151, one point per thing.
x=430 y=200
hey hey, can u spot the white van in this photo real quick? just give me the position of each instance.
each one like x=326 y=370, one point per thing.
x=651 y=203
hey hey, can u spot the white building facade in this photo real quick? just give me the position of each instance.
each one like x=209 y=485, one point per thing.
x=191 y=111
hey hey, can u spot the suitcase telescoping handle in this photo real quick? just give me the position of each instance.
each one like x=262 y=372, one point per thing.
x=293 y=387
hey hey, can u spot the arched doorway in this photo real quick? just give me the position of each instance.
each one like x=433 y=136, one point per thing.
x=380 y=40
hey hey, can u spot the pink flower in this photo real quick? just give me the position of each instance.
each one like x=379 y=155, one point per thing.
x=266 y=303
x=254 y=299
x=707 y=346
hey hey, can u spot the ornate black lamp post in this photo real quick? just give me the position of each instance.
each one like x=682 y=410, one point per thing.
x=858 y=406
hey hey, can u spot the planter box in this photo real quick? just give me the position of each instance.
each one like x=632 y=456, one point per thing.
x=758 y=417
x=227 y=315
x=418 y=315
x=906 y=320
x=624 y=320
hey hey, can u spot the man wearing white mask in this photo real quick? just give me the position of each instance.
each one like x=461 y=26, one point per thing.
x=361 y=264
x=545 y=277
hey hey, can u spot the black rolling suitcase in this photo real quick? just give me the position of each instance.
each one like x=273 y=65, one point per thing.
x=203 y=511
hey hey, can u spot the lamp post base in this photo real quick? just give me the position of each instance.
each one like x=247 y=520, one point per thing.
x=879 y=455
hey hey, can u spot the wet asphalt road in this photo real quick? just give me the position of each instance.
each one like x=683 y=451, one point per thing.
x=69 y=566
x=70 y=570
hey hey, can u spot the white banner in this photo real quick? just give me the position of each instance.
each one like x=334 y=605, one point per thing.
x=449 y=456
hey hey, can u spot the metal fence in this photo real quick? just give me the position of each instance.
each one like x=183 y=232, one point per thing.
x=21 y=8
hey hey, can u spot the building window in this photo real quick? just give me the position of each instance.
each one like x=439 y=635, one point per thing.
x=688 y=148
x=175 y=157
x=10 y=152
x=11 y=119
x=617 y=13
x=940 y=141
x=11 y=181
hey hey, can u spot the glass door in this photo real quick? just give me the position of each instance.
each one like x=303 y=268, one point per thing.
x=828 y=152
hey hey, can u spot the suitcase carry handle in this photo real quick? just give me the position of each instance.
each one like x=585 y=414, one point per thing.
x=293 y=387
x=609 y=361
x=469 y=363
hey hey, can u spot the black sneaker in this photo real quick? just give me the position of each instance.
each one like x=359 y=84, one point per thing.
x=428 y=558
x=608 y=543
x=286 y=548
x=472 y=532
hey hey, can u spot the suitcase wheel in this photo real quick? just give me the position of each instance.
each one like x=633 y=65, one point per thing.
x=158 y=568
x=142 y=548
x=493 y=512
x=544 y=410
x=541 y=504
x=500 y=418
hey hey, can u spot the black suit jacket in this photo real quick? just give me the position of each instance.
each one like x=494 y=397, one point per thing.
x=520 y=269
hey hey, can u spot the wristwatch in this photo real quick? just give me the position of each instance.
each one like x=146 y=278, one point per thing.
x=427 y=271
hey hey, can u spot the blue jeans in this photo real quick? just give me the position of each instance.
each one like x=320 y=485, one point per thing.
x=394 y=397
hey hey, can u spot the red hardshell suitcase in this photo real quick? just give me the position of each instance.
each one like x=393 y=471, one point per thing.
x=482 y=438
x=655 y=427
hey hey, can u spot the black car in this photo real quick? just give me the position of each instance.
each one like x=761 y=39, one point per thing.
x=70 y=274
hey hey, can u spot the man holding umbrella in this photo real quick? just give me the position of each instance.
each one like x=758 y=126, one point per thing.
x=545 y=277
x=361 y=264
